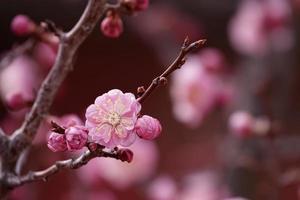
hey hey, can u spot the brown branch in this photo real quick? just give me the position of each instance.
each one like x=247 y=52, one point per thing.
x=179 y=61
x=69 y=43
x=82 y=160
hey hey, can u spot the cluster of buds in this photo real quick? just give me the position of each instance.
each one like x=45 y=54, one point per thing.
x=71 y=138
x=112 y=24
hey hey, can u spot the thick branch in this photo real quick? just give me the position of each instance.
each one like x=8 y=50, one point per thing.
x=69 y=43
x=58 y=166
x=179 y=61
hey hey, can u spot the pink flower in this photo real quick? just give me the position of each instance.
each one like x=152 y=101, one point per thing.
x=112 y=26
x=241 y=123
x=111 y=120
x=212 y=59
x=76 y=137
x=163 y=188
x=57 y=142
x=147 y=127
x=18 y=82
x=194 y=92
x=259 y=26
x=45 y=55
x=21 y=25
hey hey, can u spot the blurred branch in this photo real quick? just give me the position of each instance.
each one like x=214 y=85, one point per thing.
x=186 y=48
x=82 y=160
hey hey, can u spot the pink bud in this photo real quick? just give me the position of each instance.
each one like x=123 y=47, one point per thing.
x=57 y=142
x=21 y=25
x=148 y=127
x=141 y=5
x=44 y=55
x=125 y=155
x=76 y=137
x=241 y=123
x=112 y=26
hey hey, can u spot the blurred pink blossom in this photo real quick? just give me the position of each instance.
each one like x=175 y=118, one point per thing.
x=112 y=118
x=163 y=188
x=261 y=25
x=194 y=92
x=241 y=123
x=204 y=186
x=148 y=128
x=18 y=82
x=119 y=174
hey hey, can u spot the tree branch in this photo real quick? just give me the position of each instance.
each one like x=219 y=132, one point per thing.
x=69 y=43
x=82 y=160
x=179 y=61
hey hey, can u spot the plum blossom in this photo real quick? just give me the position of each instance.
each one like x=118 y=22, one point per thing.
x=148 y=127
x=112 y=26
x=163 y=188
x=112 y=118
x=18 y=82
x=194 y=92
x=261 y=25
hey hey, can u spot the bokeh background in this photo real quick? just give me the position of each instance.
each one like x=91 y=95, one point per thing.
x=258 y=42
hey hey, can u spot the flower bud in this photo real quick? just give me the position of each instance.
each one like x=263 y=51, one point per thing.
x=241 y=123
x=21 y=25
x=112 y=26
x=57 y=142
x=125 y=155
x=148 y=128
x=141 y=5
x=76 y=137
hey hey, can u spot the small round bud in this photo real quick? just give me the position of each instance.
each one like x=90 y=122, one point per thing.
x=112 y=26
x=148 y=128
x=57 y=142
x=21 y=25
x=141 y=5
x=241 y=123
x=76 y=137
x=125 y=155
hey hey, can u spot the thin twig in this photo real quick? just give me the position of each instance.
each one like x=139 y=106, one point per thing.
x=82 y=160
x=179 y=61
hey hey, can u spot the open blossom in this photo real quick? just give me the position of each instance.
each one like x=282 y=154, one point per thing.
x=112 y=118
x=18 y=82
x=148 y=127
x=76 y=137
x=259 y=25
x=194 y=92
x=57 y=142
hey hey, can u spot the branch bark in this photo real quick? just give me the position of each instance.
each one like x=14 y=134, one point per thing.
x=82 y=160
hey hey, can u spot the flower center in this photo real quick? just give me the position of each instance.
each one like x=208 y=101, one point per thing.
x=114 y=119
